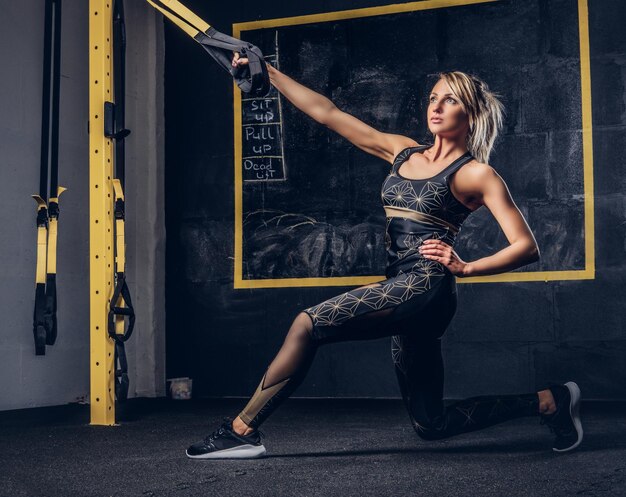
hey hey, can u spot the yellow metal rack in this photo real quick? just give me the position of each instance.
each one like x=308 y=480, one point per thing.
x=101 y=230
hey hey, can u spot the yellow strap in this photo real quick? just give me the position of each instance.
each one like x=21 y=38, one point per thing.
x=40 y=202
x=120 y=245
x=187 y=14
x=41 y=255
x=52 y=246
x=196 y=24
x=120 y=255
x=42 y=241
x=60 y=190
x=52 y=237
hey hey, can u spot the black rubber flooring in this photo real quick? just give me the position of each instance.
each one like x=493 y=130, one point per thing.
x=315 y=448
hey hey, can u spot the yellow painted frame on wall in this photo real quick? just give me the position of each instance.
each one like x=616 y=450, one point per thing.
x=585 y=75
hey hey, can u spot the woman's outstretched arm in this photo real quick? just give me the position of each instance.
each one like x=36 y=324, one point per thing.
x=324 y=111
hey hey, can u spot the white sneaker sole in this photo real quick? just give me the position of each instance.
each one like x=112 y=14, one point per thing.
x=240 y=452
x=574 y=407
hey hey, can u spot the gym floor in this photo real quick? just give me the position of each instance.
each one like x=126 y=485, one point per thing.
x=316 y=447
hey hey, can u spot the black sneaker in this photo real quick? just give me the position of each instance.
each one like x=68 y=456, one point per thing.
x=224 y=443
x=565 y=421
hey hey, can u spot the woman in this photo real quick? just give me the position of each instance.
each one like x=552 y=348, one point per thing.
x=428 y=193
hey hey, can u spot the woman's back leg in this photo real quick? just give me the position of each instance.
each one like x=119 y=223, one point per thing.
x=419 y=368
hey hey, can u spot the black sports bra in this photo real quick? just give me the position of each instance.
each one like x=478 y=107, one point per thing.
x=430 y=196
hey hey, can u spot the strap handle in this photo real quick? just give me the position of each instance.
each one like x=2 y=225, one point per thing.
x=252 y=78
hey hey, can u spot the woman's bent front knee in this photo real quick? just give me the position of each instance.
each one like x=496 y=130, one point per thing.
x=305 y=320
x=302 y=326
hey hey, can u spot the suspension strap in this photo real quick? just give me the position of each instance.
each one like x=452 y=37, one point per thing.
x=39 y=317
x=120 y=306
x=252 y=78
x=44 y=316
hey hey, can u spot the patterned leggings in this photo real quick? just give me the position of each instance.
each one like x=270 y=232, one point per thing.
x=414 y=309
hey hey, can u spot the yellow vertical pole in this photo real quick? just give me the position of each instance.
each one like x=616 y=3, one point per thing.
x=101 y=263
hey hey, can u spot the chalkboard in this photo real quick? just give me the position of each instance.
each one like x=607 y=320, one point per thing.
x=311 y=200
x=263 y=158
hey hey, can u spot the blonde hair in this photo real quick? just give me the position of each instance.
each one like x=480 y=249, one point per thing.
x=483 y=108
